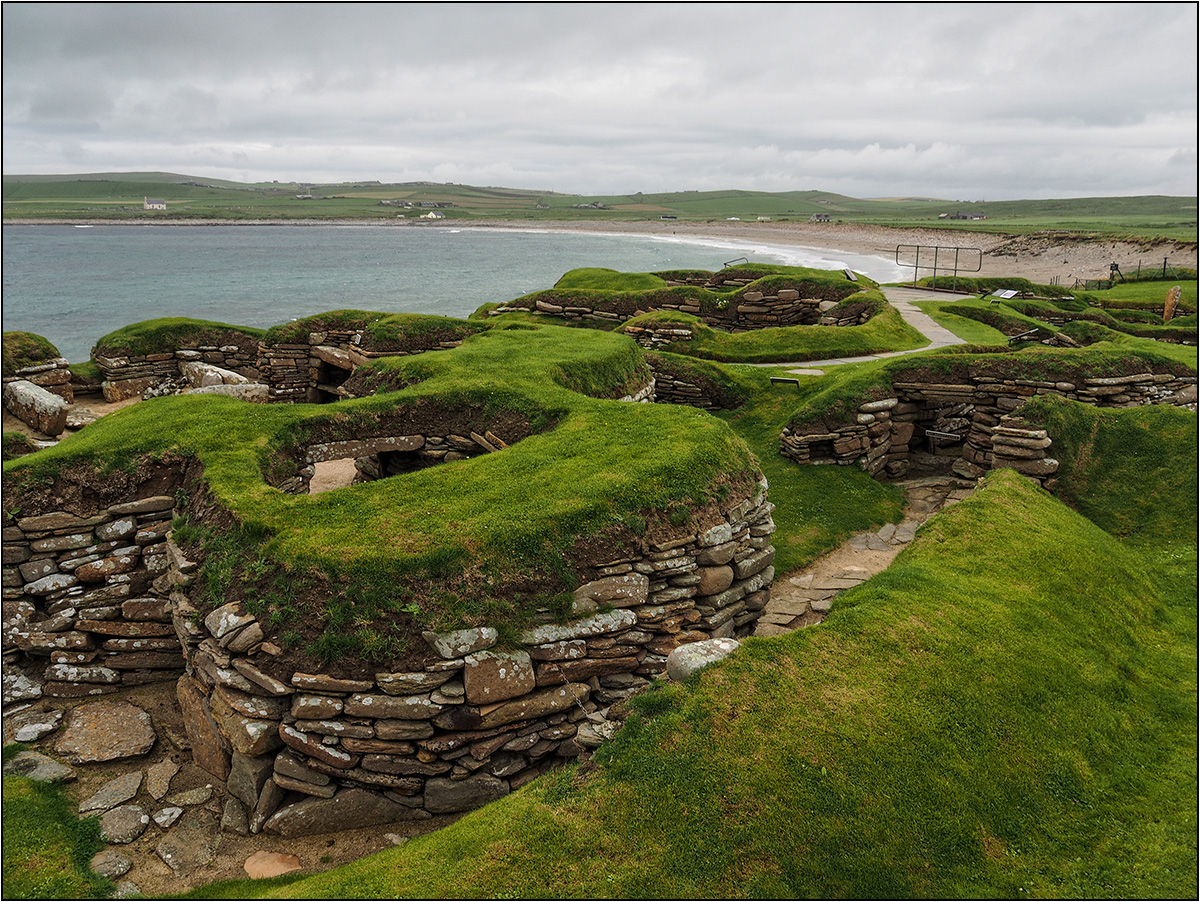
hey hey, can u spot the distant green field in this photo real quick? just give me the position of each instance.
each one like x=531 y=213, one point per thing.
x=120 y=195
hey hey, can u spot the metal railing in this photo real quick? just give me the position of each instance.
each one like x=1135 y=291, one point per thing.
x=957 y=262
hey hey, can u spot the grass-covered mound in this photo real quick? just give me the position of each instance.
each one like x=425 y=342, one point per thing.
x=483 y=540
x=627 y=294
x=609 y=280
x=382 y=332
x=22 y=349
x=835 y=398
x=886 y=330
x=159 y=336
x=1009 y=710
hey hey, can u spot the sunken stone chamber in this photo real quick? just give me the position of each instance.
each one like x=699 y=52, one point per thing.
x=96 y=601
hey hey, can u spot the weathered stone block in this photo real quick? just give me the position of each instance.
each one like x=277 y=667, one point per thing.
x=209 y=750
x=445 y=796
x=496 y=676
x=38 y=408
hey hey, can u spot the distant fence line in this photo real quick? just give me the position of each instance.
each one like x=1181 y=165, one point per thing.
x=1142 y=274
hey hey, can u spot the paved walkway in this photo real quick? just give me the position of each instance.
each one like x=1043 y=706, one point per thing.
x=804 y=597
x=902 y=299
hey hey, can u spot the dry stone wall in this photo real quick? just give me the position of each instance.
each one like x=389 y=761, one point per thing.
x=745 y=312
x=313 y=752
x=314 y=370
x=974 y=414
x=133 y=376
x=39 y=395
x=94 y=603
x=85 y=600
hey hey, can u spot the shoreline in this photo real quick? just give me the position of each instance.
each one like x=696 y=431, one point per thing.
x=1044 y=258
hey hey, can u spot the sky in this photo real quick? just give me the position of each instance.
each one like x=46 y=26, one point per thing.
x=963 y=101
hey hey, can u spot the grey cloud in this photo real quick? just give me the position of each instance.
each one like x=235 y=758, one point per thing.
x=982 y=99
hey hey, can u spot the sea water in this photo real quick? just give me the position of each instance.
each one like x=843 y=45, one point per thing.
x=74 y=284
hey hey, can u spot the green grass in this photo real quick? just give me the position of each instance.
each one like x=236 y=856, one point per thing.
x=47 y=848
x=609 y=280
x=22 y=349
x=156 y=336
x=967 y=724
x=969 y=330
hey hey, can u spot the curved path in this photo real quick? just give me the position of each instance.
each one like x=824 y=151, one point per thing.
x=902 y=299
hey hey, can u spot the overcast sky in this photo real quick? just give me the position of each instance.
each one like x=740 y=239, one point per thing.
x=961 y=101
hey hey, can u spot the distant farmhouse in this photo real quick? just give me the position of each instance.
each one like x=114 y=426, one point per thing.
x=961 y=215
x=433 y=214
x=819 y=217
x=153 y=203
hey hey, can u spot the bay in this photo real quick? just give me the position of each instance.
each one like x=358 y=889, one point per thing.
x=74 y=285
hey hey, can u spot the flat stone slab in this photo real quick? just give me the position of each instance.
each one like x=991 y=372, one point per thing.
x=270 y=864
x=36 y=766
x=31 y=725
x=792 y=607
x=158 y=778
x=111 y=864
x=113 y=793
x=767 y=630
x=19 y=688
x=166 y=817
x=190 y=846
x=124 y=824
x=687 y=659
x=836 y=585
x=348 y=810
x=197 y=796
x=105 y=731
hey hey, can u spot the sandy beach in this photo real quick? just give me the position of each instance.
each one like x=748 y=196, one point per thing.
x=1042 y=258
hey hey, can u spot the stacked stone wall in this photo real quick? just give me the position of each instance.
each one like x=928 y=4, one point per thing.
x=887 y=431
x=314 y=370
x=134 y=375
x=752 y=310
x=38 y=395
x=96 y=603
x=85 y=599
x=53 y=376
x=476 y=721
